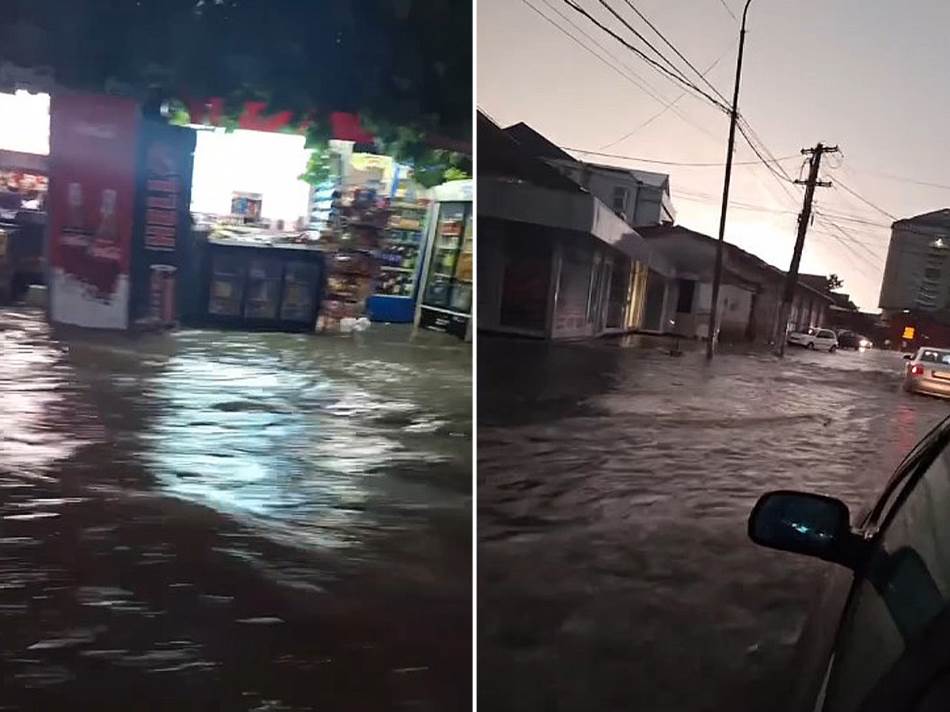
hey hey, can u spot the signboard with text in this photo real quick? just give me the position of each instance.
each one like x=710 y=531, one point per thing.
x=92 y=184
x=163 y=224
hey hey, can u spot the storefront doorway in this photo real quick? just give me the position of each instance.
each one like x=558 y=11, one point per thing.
x=526 y=282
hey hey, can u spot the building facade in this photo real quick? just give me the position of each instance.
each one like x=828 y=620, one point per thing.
x=555 y=262
x=917 y=271
x=639 y=198
x=750 y=294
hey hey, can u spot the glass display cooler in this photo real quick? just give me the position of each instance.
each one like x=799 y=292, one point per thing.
x=400 y=265
x=276 y=288
x=447 y=290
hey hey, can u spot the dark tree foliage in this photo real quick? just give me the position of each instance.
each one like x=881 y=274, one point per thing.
x=834 y=282
x=402 y=62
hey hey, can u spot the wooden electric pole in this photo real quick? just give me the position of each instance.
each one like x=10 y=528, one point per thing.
x=791 y=279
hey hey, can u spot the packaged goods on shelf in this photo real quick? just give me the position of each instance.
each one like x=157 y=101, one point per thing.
x=353 y=240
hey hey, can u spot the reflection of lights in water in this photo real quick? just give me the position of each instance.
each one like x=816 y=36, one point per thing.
x=254 y=438
x=40 y=423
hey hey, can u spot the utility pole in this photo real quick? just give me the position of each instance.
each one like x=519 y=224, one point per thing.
x=791 y=279
x=713 y=330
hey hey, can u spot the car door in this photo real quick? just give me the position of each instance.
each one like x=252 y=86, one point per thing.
x=901 y=597
x=826 y=339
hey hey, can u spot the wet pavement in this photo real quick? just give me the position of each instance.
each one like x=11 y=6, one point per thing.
x=225 y=520
x=614 y=484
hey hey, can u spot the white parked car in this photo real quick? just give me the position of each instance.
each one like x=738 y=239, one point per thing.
x=812 y=338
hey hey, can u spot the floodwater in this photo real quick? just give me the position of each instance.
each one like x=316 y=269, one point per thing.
x=226 y=520
x=614 y=485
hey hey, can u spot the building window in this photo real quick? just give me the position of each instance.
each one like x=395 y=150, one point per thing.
x=620 y=199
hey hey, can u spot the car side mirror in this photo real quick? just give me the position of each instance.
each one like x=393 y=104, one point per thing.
x=805 y=523
x=908 y=357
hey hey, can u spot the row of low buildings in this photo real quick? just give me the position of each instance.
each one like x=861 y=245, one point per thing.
x=569 y=249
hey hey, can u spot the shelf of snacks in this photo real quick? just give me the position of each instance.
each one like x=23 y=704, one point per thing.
x=353 y=241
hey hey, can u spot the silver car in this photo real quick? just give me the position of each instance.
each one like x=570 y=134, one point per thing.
x=928 y=371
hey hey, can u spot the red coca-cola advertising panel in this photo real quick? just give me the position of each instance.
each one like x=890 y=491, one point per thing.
x=91 y=202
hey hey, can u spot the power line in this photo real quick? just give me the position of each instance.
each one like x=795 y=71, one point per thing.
x=860 y=221
x=864 y=200
x=666 y=108
x=744 y=128
x=672 y=47
x=668 y=163
x=846 y=235
x=902 y=179
x=676 y=70
x=878 y=268
x=656 y=65
x=831 y=234
x=905 y=229
x=592 y=52
x=636 y=79
x=729 y=10
x=739 y=205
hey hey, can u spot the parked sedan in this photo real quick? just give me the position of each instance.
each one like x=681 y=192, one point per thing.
x=812 y=338
x=876 y=639
x=928 y=371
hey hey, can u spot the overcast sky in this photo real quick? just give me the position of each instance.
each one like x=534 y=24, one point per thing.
x=867 y=75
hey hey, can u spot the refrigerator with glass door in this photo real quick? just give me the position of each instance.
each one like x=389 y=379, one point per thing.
x=447 y=289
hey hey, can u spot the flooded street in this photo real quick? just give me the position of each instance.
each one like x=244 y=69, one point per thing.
x=227 y=520
x=614 y=571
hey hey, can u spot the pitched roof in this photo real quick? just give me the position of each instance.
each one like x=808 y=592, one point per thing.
x=657 y=180
x=937 y=217
x=499 y=154
x=534 y=143
x=660 y=231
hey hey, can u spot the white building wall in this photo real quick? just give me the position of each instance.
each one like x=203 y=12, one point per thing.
x=735 y=307
x=644 y=203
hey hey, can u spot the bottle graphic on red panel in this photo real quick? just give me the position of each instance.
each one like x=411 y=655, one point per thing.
x=74 y=216
x=107 y=232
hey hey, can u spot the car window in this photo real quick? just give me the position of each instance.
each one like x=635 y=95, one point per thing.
x=935 y=356
x=905 y=586
x=826 y=334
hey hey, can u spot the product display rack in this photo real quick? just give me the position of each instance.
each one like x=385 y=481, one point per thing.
x=400 y=258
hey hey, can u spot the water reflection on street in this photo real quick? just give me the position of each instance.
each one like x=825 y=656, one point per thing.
x=225 y=520
x=614 y=483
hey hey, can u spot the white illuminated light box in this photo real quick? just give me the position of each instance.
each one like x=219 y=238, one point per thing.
x=259 y=162
x=24 y=122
